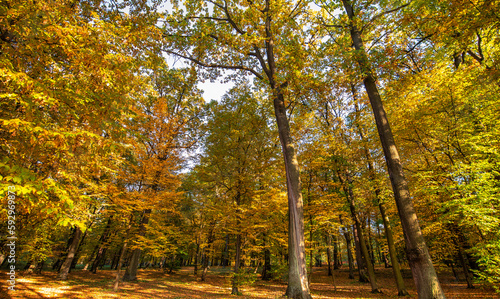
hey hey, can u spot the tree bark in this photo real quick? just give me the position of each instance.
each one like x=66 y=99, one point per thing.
x=336 y=254
x=207 y=252
x=360 y=262
x=266 y=272
x=387 y=224
x=423 y=271
x=234 y=290
x=122 y=254
x=350 y=259
x=298 y=287
x=63 y=273
x=362 y=243
x=131 y=272
x=102 y=246
x=328 y=253
x=225 y=253
x=196 y=258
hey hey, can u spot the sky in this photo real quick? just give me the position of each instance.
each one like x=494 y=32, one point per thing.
x=214 y=91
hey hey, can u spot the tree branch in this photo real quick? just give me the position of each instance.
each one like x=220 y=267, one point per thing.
x=213 y=65
x=384 y=13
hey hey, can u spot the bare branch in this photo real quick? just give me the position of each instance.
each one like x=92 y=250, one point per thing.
x=263 y=64
x=418 y=43
x=214 y=65
x=384 y=13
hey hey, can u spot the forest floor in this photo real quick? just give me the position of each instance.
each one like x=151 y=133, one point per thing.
x=183 y=284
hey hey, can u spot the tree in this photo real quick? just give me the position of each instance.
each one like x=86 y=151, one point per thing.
x=266 y=40
x=70 y=72
x=423 y=270
x=238 y=152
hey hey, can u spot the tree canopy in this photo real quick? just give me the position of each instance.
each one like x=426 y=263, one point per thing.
x=355 y=132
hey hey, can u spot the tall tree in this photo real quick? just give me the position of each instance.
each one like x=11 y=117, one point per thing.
x=250 y=36
x=423 y=271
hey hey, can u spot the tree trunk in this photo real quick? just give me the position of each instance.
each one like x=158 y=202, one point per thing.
x=234 y=290
x=266 y=272
x=311 y=251
x=63 y=273
x=423 y=271
x=207 y=257
x=122 y=254
x=328 y=253
x=387 y=224
x=102 y=246
x=369 y=246
x=196 y=258
x=225 y=254
x=131 y=272
x=336 y=254
x=360 y=262
x=362 y=243
x=298 y=287
x=350 y=259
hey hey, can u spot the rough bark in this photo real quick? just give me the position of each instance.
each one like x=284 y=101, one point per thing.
x=65 y=267
x=423 y=271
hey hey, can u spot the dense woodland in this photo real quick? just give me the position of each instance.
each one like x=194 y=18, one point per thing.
x=355 y=134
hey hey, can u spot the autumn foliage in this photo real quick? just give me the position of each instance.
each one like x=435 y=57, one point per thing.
x=359 y=134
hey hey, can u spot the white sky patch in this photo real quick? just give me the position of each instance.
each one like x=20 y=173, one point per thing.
x=214 y=90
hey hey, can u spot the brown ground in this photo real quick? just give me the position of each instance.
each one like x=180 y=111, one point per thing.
x=183 y=284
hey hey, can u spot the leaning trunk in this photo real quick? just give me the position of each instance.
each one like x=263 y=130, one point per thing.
x=423 y=271
x=387 y=224
x=63 y=273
